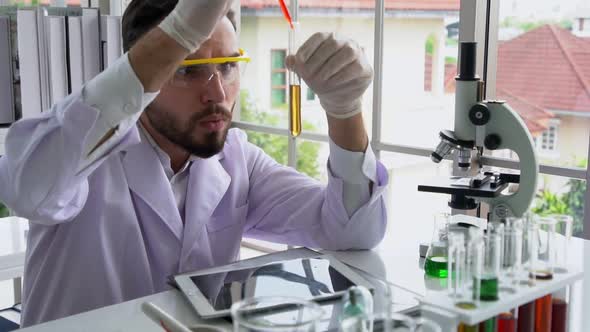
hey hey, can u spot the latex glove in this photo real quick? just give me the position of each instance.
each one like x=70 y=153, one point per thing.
x=336 y=69
x=192 y=21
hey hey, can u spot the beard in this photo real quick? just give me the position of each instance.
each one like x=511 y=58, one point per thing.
x=189 y=135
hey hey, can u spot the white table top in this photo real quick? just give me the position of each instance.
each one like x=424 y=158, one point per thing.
x=396 y=260
x=12 y=247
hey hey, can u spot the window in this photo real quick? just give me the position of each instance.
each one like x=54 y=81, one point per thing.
x=278 y=78
x=415 y=93
x=414 y=98
x=310 y=94
x=419 y=67
x=411 y=212
x=537 y=49
x=312 y=158
x=264 y=29
x=547 y=141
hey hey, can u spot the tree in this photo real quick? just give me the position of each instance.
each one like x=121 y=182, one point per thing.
x=3 y=211
x=525 y=26
x=574 y=199
x=277 y=146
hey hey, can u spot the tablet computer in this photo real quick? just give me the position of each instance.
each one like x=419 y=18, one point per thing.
x=319 y=278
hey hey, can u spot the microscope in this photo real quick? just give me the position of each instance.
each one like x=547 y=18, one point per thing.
x=484 y=124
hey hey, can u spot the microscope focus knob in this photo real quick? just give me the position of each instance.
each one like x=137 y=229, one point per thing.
x=479 y=114
x=493 y=141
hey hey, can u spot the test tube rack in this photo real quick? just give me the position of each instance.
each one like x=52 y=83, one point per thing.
x=519 y=295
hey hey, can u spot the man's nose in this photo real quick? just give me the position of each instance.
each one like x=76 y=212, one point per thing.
x=213 y=91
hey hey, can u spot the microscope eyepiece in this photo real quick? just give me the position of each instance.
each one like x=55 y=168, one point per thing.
x=467 y=63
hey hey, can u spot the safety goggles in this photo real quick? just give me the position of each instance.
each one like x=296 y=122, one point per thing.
x=199 y=72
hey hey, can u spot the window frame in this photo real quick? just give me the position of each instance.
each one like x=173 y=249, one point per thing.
x=279 y=70
x=479 y=21
x=545 y=140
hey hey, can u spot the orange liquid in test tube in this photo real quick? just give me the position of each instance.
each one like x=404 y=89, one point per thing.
x=543 y=313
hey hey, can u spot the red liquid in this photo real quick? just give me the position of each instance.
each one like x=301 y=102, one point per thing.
x=559 y=319
x=526 y=317
x=506 y=322
x=543 y=314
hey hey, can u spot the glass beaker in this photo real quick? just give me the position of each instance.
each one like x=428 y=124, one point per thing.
x=435 y=264
x=394 y=322
x=357 y=301
x=275 y=313
x=563 y=228
x=543 y=252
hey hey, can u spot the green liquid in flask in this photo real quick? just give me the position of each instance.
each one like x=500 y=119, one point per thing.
x=436 y=266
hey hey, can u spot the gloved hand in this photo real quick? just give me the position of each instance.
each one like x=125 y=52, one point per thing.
x=192 y=21
x=336 y=69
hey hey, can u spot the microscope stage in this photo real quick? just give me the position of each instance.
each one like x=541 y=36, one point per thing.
x=453 y=186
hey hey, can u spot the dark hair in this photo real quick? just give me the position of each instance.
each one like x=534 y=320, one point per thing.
x=141 y=16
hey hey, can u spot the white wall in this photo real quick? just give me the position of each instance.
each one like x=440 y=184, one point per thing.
x=573 y=138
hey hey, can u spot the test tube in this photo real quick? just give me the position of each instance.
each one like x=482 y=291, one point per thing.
x=543 y=313
x=526 y=317
x=506 y=322
x=492 y=262
x=559 y=315
x=467 y=328
x=464 y=264
x=531 y=240
x=563 y=228
x=513 y=238
x=489 y=325
x=457 y=266
x=294 y=79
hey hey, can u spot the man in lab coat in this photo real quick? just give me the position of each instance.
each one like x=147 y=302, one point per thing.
x=137 y=176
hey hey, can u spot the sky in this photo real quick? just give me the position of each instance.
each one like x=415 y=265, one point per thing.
x=541 y=9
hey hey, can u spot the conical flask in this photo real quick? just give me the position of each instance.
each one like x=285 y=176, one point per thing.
x=436 y=257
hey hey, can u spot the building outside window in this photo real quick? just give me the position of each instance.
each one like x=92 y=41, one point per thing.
x=547 y=142
x=278 y=78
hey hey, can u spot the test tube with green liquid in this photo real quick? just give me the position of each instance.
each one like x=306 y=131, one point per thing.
x=492 y=263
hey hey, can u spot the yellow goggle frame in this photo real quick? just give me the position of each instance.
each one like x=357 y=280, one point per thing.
x=242 y=58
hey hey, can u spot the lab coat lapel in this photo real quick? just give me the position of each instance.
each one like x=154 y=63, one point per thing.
x=146 y=178
x=208 y=183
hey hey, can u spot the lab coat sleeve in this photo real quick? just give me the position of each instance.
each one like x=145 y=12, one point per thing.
x=45 y=169
x=288 y=207
x=119 y=96
x=358 y=170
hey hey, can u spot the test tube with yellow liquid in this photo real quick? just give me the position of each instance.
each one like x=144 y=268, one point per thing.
x=294 y=79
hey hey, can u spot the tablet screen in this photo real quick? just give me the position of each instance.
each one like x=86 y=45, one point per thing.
x=303 y=278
